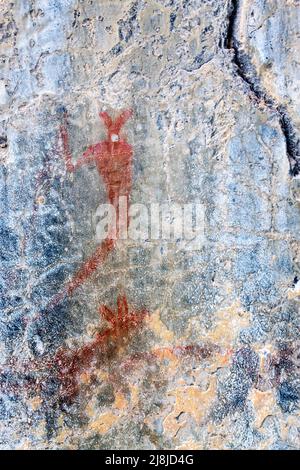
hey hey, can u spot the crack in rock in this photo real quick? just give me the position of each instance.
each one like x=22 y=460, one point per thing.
x=247 y=72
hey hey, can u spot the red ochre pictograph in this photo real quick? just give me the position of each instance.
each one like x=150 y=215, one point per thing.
x=122 y=325
x=68 y=364
x=113 y=159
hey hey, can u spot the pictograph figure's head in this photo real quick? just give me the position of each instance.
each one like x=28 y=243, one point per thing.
x=114 y=127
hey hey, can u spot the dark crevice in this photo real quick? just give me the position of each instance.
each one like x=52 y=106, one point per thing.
x=233 y=11
x=292 y=142
x=247 y=72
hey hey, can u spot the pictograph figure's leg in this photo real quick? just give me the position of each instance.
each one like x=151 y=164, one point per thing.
x=90 y=265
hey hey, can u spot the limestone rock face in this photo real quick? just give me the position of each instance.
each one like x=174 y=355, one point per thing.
x=155 y=341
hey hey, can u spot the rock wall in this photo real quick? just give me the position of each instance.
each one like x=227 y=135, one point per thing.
x=144 y=343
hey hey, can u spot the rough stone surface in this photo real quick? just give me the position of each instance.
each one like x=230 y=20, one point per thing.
x=215 y=98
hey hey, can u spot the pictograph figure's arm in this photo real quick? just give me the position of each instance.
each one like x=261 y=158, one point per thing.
x=114 y=127
x=123 y=118
x=107 y=120
x=88 y=156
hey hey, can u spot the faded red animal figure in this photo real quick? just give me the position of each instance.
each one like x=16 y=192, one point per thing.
x=113 y=158
x=123 y=324
x=67 y=365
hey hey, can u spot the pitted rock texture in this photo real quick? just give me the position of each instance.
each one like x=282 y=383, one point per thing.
x=205 y=354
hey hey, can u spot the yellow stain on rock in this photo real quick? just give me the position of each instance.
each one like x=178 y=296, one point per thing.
x=159 y=328
x=40 y=200
x=265 y=354
x=289 y=421
x=106 y=420
x=166 y=353
x=91 y=408
x=62 y=436
x=230 y=321
x=295 y=292
x=217 y=435
x=190 y=400
x=35 y=403
x=120 y=401
x=264 y=404
x=134 y=395
x=220 y=360
x=25 y=445
x=103 y=376
x=85 y=378
x=103 y=423
x=190 y=445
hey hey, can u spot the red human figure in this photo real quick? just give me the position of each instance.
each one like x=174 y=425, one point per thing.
x=113 y=158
